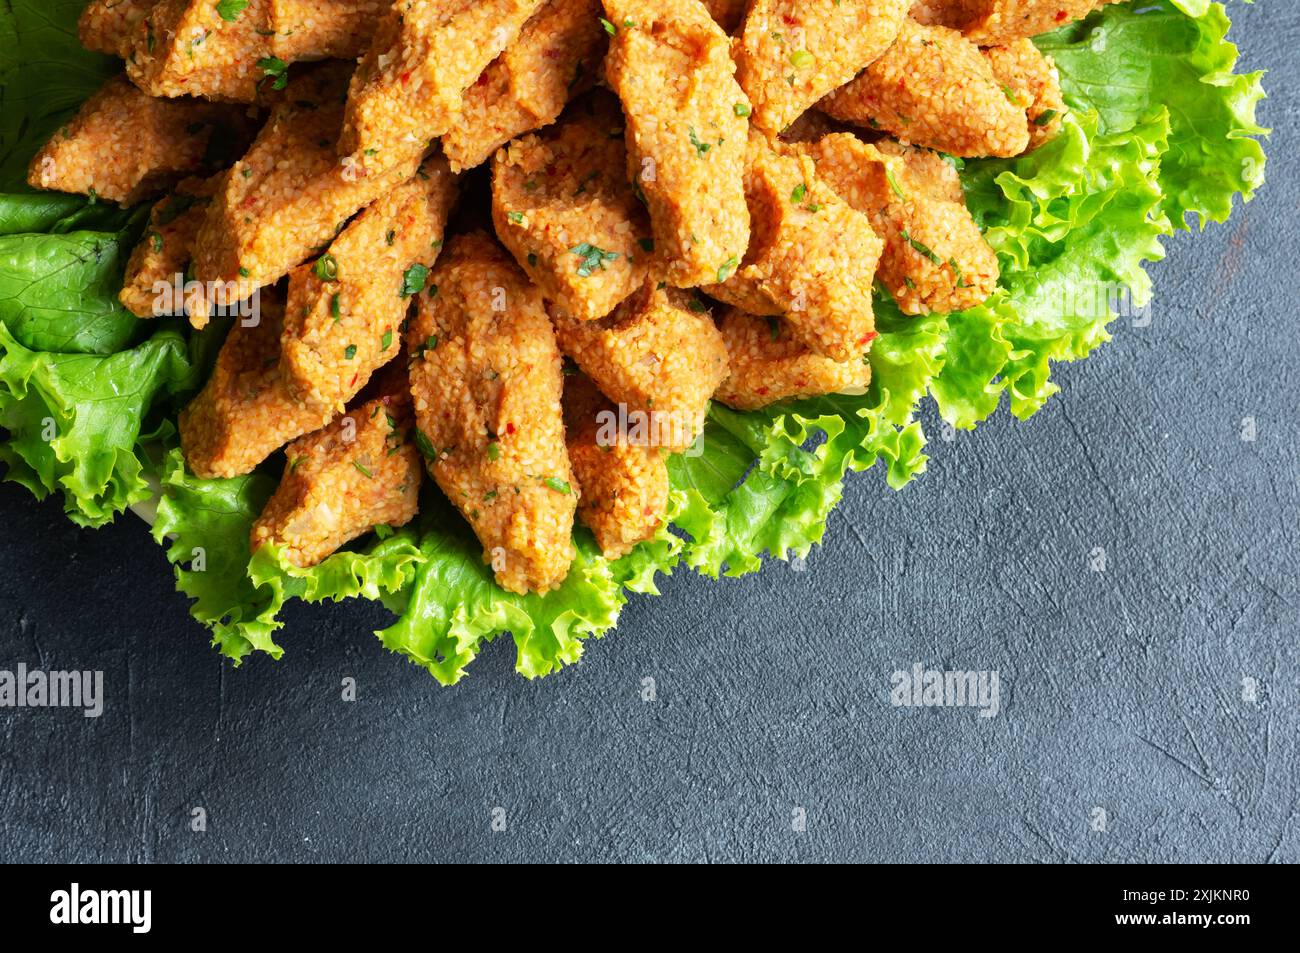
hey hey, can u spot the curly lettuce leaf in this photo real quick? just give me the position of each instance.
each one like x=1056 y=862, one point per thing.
x=1073 y=225
x=204 y=525
x=74 y=420
x=454 y=605
x=58 y=292
x=1128 y=61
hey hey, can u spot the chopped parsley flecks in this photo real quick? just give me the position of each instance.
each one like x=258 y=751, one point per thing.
x=413 y=279
x=893 y=183
x=727 y=268
x=922 y=249
x=558 y=485
x=349 y=352
x=229 y=10
x=363 y=469
x=275 y=69
x=591 y=258
x=800 y=59
x=956 y=270
x=1046 y=116
x=741 y=109
x=386 y=340
x=326 y=268
x=494 y=450
x=700 y=147
x=516 y=218
x=425 y=445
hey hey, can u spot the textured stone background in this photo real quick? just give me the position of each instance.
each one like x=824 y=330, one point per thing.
x=1121 y=690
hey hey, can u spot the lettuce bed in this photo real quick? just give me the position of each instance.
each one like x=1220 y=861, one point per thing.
x=1161 y=131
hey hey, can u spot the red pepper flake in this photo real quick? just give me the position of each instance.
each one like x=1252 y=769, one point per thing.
x=405 y=76
x=762 y=390
x=510 y=428
x=867 y=337
x=1061 y=16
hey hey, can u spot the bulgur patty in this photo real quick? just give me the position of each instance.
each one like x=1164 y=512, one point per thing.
x=486 y=382
x=345 y=310
x=200 y=48
x=165 y=249
x=812 y=256
x=562 y=204
x=769 y=363
x=934 y=89
x=686 y=132
x=558 y=56
x=408 y=87
x=290 y=194
x=323 y=29
x=995 y=22
x=791 y=53
x=106 y=26
x=658 y=354
x=339 y=482
x=624 y=483
x=125 y=146
x=1030 y=80
x=245 y=411
x=935 y=258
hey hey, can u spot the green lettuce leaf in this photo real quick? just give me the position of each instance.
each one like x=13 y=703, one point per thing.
x=1130 y=60
x=453 y=605
x=74 y=420
x=58 y=292
x=204 y=525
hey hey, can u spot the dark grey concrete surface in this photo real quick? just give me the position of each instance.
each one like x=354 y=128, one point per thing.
x=1122 y=691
